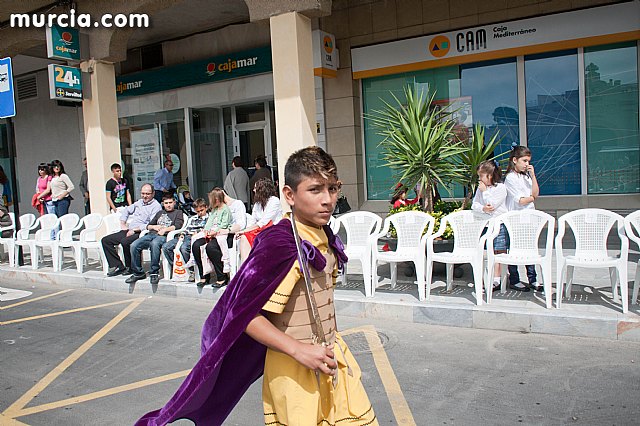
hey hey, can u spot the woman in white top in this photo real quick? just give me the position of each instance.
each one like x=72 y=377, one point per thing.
x=266 y=211
x=61 y=187
x=522 y=190
x=491 y=198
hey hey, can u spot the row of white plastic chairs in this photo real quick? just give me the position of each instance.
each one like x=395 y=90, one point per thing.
x=416 y=243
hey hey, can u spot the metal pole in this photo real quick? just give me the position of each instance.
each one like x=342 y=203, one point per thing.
x=11 y=144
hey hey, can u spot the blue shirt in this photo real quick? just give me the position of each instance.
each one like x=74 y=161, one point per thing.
x=141 y=214
x=163 y=180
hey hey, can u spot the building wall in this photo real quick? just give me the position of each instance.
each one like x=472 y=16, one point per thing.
x=44 y=132
x=363 y=22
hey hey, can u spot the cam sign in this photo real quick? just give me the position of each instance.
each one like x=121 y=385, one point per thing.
x=65 y=83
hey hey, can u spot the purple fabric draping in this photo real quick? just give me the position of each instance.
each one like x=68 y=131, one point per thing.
x=230 y=360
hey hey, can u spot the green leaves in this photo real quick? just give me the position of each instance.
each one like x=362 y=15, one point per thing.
x=419 y=143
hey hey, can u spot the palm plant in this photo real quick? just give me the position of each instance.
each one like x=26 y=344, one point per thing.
x=477 y=152
x=419 y=143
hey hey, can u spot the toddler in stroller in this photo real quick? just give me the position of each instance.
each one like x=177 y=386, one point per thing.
x=184 y=200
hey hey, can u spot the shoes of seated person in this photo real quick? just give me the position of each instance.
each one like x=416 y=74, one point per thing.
x=135 y=277
x=154 y=279
x=118 y=270
x=192 y=277
x=535 y=286
x=202 y=282
x=519 y=287
x=127 y=271
x=220 y=284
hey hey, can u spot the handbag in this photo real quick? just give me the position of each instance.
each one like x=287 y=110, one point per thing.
x=342 y=205
x=207 y=266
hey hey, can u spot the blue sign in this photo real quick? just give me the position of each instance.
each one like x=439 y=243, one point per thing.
x=7 y=101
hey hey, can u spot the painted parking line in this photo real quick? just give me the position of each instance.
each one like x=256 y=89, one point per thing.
x=34 y=299
x=14 y=410
x=69 y=311
x=399 y=405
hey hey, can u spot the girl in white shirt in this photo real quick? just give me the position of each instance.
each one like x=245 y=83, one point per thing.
x=491 y=198
x=522 y=190
x=266 y=211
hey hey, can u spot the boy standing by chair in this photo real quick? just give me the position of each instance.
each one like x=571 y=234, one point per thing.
x=261 y=324
x=164 y=221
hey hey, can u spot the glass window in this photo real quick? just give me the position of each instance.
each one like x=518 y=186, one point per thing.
x=611 y=86
x=553 y=121
x=207 y=151
x=249 y=113
x=492 y=89
x=445 y=82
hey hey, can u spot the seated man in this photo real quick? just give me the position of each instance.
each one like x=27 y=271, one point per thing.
x=195 y=224
x=138 y=214
x=163 y=222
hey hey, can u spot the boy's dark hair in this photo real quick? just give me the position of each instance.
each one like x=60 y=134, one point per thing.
x=517 y=152
x=309 y=162
x=115 y=166
x=237 y=161
x=58 y=163
x=491 y=168
x=167 y=197
x=262 y=162
x=199 y=202
x=264 y=189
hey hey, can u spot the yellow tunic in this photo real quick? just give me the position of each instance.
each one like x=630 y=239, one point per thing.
x=291 y=393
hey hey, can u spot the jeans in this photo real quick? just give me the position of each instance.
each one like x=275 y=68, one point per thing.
x=185 y=249
x=514 y=276
x=62 y=206
x=154 y=243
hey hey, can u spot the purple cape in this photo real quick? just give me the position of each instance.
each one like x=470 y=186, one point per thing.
x=230 y=360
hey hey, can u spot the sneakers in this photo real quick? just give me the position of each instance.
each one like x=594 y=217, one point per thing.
x=536 y=287
x=519 y=287
x=154 y=279
x=135 y=277
x=192 y=277
x=226 y=268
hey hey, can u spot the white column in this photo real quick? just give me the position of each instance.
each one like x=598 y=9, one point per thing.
x=101 y=131
x=293 y=85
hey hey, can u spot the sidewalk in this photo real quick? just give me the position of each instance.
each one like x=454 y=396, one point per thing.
x=590 y=312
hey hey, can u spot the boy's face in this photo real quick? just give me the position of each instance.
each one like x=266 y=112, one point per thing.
x=201 y=211
x=314 y=200
x=168 y=205
x=117 y=173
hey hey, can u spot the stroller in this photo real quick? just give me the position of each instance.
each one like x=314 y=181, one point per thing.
x=184 y=200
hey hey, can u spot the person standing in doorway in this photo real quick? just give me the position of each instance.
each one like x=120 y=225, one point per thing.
x=262 y=171
x=163 y=181
x=117 y=188
x=236 y=185
x=84 y=187
x=61 y=187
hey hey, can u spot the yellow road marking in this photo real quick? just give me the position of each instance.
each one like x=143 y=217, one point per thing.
x=100 y=394
x=17 y=406
x=70 y=311
x=34 y=299
x=6 y=421
x=398 y=403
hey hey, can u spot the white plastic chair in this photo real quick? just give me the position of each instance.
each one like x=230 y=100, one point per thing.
x=468 y=247
x=632 y=229
x=591 y=229
x=525 y=229
x=359 y=226
x=89 y=241
x=69 y=223
x=43 y=238
x=411 y=244
x=28 y=223
x=112 y=225
x=9 y=242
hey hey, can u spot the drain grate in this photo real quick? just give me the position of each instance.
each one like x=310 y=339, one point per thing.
x=358 y=343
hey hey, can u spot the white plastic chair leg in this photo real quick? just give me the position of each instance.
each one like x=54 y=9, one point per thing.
x=477 y=278
x=167 y=269
x=615 y=279
x=560 y=283
x=35 y=255
x=79 y=259
x=366 y=274
x=636 y=286
x=449 y=268
x=428 y=280
x=423 y=294
x=488 y=278
x=374 y=276
x=546 y=283
x=11 y=248
x=503 y=279
x=394 y=274
x=624 y=286
x=570 y=270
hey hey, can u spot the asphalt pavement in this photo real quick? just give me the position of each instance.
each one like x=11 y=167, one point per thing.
x=73 y=356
